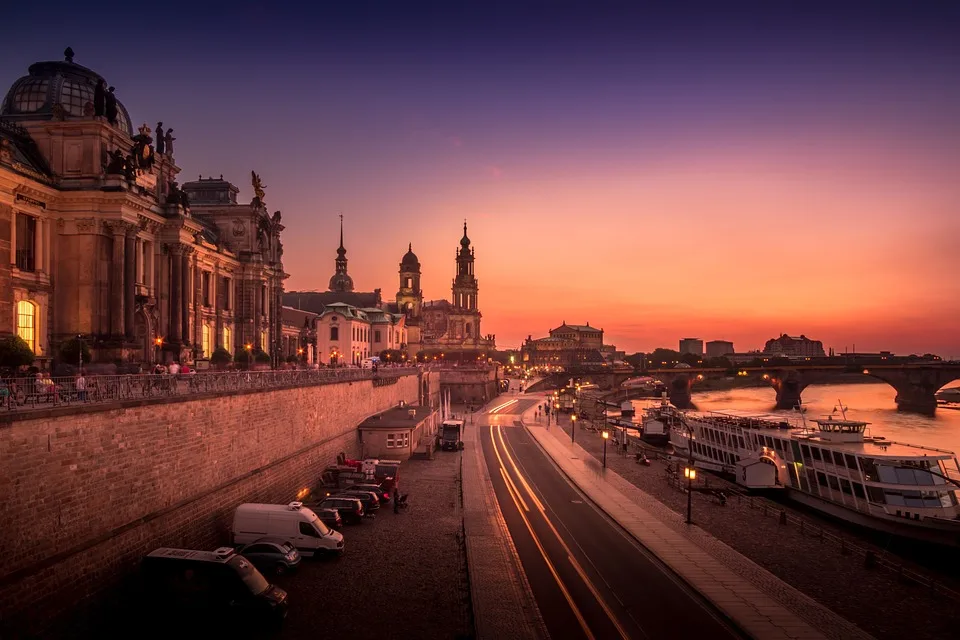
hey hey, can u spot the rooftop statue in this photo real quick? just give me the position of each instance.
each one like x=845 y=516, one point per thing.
x=258 y=187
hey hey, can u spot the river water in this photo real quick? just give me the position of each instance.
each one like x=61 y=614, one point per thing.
x=873 y=403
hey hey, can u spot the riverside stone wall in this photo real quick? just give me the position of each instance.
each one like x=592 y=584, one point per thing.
x=87 y=491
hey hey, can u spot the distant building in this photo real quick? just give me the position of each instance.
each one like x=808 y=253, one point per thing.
x=691 y=345
x=349 y=335
x=789 y=346
x=719 y=348
x=298 y=335
x=568 y=345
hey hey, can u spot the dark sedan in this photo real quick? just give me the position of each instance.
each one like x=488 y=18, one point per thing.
x=350 y=509
x=371 y=502
x=272 y=554
x=382 y=494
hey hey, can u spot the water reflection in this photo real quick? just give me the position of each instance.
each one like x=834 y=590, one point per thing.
x=873 y=403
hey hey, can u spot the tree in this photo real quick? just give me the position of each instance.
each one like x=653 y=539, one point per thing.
x=261 y=357
x=242 y=357
x=663 y=358
x=636 y=360
x=70 y=351
x=391 y=355
x=220 y=357
x=15 y=352
x=293 y=358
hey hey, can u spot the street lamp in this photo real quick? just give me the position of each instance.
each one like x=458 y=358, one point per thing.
x=690 y=473
x=573 y=427
x=606 y=436
x=249 y=349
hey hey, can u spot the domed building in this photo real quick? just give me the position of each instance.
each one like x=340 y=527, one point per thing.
x=104 y=244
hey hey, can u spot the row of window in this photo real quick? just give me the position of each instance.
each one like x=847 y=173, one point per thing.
x=398 y=440
x=716 y=454
x=846 y=491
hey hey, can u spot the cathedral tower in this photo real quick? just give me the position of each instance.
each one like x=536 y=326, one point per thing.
x=465 y=285
x=410 y=297
x=340 y=281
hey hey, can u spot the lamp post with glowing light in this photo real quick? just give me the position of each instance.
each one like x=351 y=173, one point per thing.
x=159 y=342
x=249 y=349
x=606 y=436
x=573 y=427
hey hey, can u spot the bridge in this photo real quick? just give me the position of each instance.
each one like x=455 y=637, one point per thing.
x=916 y=383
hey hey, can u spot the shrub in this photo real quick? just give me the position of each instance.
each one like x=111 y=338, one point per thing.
x=220 y=357
x=15 y=352
x=70 y=351
x=261 y=357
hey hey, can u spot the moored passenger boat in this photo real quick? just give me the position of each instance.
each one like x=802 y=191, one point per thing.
x=836 y=467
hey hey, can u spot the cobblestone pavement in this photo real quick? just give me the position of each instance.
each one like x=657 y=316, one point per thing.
x=401 y=576
x=874 y=600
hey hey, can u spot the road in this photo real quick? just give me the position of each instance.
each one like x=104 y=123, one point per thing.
x=589 y=577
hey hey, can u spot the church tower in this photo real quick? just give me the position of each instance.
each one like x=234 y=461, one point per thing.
x=410 y=297
x=340 y=281
x=465 y=285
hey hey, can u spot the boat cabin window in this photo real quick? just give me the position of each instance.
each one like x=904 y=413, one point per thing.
x=858 y=490
x=838 y=459
x=851 y=461
x=816 y=454
x=876 y=494
x=869 y=468
x=821 y=478
x=833 y=482
x=805 y=449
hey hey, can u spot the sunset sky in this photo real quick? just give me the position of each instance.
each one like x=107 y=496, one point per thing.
x=724 y=173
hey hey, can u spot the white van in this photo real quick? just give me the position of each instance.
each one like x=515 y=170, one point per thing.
x=292 y=522
x=368 y=363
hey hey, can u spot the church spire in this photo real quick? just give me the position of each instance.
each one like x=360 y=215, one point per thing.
x=341 y=251
x=340 y=280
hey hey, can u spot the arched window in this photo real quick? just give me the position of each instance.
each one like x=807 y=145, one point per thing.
x=263 y=341
x=207 y=340
x=469 y=330
x=27 y=323
x=227 y=339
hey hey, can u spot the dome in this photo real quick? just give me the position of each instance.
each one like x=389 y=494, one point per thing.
x=66 y=83
x=410 y=259
x=341 y=282
x=465 y=241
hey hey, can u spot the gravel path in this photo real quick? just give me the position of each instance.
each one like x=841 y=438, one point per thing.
x=875 y=600
x=401 y=576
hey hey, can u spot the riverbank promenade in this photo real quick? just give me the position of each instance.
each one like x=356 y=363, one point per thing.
x=758 y=602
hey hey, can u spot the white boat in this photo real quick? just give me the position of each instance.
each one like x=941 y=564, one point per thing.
x=951 y=394
x=657 y=421
x=836 y=467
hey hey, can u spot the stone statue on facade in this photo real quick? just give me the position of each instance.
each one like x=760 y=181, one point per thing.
x=110 y=106
x=168 y=142
x=6 y=151
x=161 y=143
x=68 y=55
x=117 y=164
x=276 y=218
x=175 y=195
x=100 y=99
x=258 y=189
x=142 y=152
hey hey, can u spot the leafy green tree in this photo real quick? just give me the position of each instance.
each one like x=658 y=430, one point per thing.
x=71 y=349
x=662 y=358
x=220 y=357
x=15 y=352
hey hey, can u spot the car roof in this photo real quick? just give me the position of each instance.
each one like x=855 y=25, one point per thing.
x=269 y=540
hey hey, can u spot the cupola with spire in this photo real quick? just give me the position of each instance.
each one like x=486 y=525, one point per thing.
x=340 y=281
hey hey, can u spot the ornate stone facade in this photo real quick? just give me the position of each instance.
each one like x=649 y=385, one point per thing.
x=104 y=244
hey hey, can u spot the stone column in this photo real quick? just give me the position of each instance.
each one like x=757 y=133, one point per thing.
x=117 y=273
x=129 y=279
x=13 y=238
x=176 y=301
x=185 y=294
x=38 y=246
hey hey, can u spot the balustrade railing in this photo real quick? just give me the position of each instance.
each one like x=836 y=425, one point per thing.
x=25 y=394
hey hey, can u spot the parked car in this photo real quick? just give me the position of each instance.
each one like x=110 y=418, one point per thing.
x=329 y=517
x=382 y=494
x=371 y=503
x=272 y=554
x=350 y=509
x=211 y=587
x=293 y=522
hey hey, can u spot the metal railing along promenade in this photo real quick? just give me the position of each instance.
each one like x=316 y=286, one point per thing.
x=26 y=394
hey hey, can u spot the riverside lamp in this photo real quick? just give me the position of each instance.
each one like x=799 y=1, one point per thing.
x=690 y=473
x=606 y=436
x=573 y=427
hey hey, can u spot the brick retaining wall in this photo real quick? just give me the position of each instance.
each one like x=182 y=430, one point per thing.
x=87 y=493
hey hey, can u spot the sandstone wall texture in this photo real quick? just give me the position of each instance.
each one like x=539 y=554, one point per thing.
x=87 y=492
x=469 y=386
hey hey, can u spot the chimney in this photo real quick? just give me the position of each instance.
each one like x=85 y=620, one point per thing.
x=412 y=413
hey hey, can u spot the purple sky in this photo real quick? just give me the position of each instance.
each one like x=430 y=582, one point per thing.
x=730 y=173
